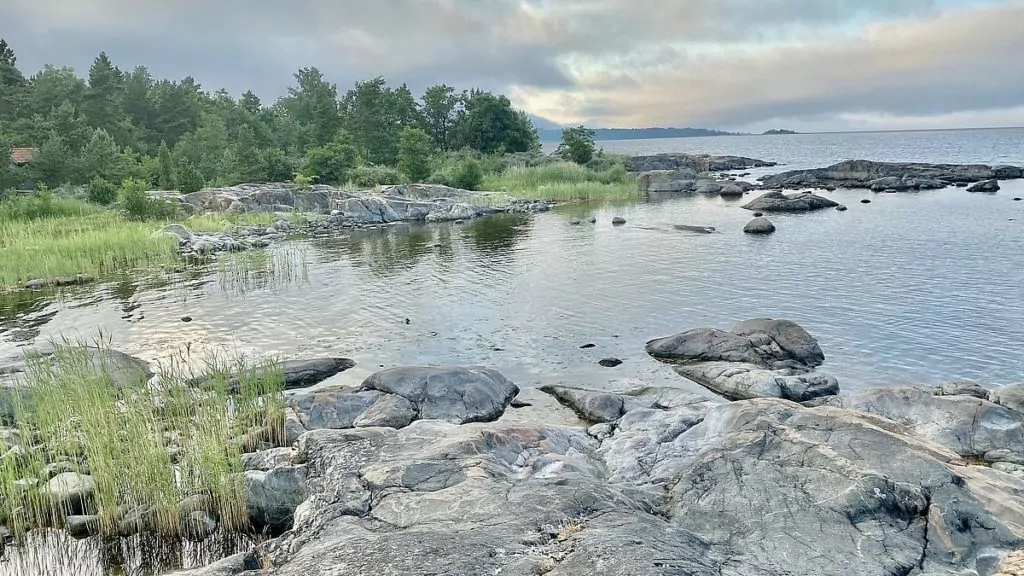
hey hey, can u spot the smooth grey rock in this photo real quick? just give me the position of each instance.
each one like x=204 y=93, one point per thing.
x=737 y=381
x=691 y=228
x=183 y=234
x=763 y=342
x=272 y=496
x=1010 y=396
x=451 y=393
x=709 y=188
x=70 y=492
x=268 y=459
x=330 y=408
x=667 y=181
x=760 y=225
x=610 y=362
x=841 y=208
x=597 y=406
x=732 y=189
x=389 y=411
x=230 y=566
x=986 y=186
x=776 y=201
x=963 y=388
x=966 y=425
x=82 y=526
x=618 y=220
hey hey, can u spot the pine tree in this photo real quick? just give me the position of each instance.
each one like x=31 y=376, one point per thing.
x=165 y=178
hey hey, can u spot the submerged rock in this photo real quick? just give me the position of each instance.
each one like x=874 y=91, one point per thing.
x=82 y=526
x=759 y=225
x=799 y=202
x=618 y=220
x=296 y=373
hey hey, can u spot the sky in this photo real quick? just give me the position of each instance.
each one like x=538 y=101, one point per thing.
x=745 y=65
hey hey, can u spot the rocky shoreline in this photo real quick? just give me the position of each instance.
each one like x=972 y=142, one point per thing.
x=457 y=470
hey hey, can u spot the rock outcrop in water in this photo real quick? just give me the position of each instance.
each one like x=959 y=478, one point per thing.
x=895 y=176
x=798 y=202
x=686 y=180
x=761 y=358
x=694 y=163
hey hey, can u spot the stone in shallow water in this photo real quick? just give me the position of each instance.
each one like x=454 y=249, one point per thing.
x=272 y=496
x=610 y=362
x=759 y=225
x=70 y=491
x=776 y=201
x=618 y=220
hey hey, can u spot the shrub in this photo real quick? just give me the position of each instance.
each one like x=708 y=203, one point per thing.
x=370 y=175
x=331 y=163
x=40 y=205
x=468 y=175
x=138 y=205
x=303 y=180
x=277 y=166
x=102 y=192
x=189 y=178
x=414 y=154
x=578 y=144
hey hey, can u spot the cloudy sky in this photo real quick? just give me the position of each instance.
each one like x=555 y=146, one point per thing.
x=729 y=64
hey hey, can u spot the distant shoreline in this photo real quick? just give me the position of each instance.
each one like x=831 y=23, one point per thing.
x=549 y=135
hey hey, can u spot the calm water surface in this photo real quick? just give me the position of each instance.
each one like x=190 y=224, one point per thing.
x=912 y=288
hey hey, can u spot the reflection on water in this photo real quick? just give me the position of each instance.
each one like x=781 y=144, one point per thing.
x=54 y=553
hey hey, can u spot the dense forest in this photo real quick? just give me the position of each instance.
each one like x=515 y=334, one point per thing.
x=116 y=124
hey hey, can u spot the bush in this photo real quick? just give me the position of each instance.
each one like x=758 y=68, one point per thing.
x=370 y=175
x=138 y=205
x=40 y=205
x=277 y=166
x=468 y=175
x=414 y=154
x=102 y=192
x=331 y=163
x=189 y=178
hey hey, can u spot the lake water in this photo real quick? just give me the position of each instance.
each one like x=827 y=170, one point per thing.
x=912 y=288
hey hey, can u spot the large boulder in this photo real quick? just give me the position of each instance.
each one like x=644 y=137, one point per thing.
x=759 y=225
x=776 y=201
x=70 y=492
x=331 y=408
x=451 y=393
x=764 y=342
x=667 y=181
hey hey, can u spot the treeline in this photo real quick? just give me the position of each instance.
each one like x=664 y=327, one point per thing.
x=638 y=133
x=115 y=124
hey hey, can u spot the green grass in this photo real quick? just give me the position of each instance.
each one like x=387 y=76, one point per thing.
x=563 y=181
x=277 y=266
x=95 y=244
x=144 y=446
x=42 y=205
x=213 y=222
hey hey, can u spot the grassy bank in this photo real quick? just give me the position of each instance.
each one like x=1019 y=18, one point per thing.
x=146 y=448
x=563 y=182
x=215 y=222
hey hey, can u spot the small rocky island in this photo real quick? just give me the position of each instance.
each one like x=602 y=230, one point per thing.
x=775 y=471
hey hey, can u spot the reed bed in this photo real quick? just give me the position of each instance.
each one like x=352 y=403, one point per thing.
x=93 y=245
x=275 y=267
x=147 y=446
x=217 y=222
x=563 y=182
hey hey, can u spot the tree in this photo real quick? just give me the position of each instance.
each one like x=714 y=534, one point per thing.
x=165 y=179
x=414 y=154
x=331 y=163
x=578 y=144
x=489 y=124
x=12 y=82
x=314 y=106
x=468 y=175
x=204 y=148
x=374 y=117
x=189 y=179
x=50 y=165
x=277 y=167
x=176 y=109
x=103 y=99
x=101 y=158
x=439 y=106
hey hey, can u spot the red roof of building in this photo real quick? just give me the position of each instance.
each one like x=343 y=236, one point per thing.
x=22 y=156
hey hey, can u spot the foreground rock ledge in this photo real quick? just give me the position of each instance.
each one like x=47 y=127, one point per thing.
x=762 y=486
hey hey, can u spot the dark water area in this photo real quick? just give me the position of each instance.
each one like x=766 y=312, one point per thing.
x=912 y=288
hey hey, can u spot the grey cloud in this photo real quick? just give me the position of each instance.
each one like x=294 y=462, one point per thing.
x=627 y=62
